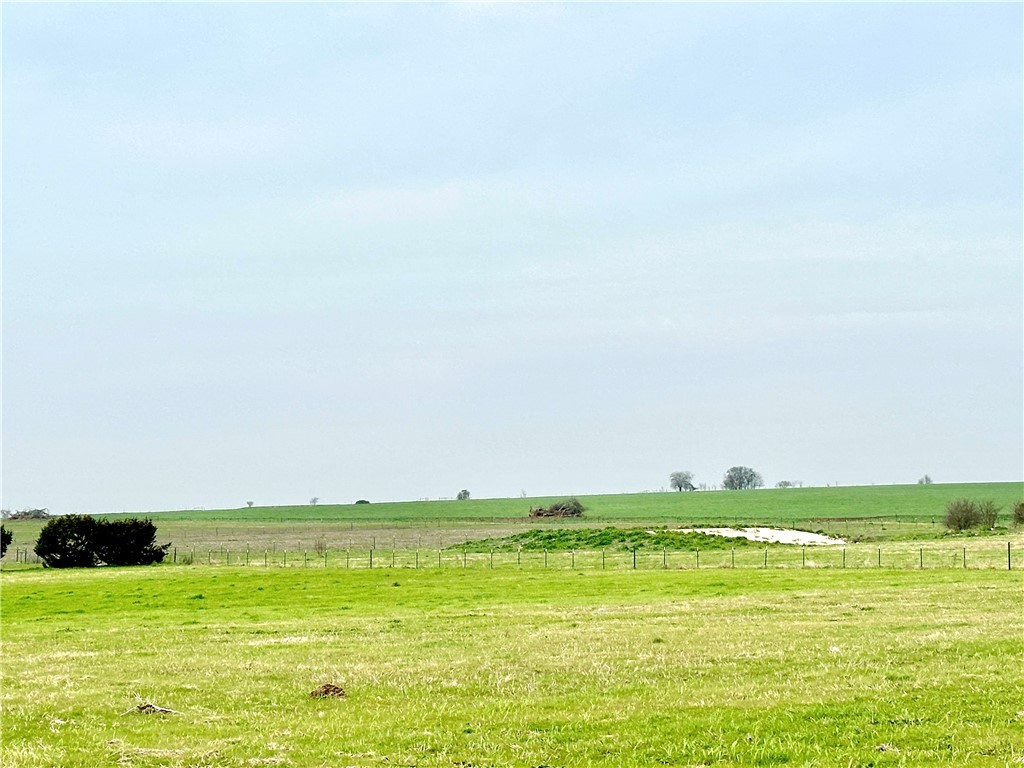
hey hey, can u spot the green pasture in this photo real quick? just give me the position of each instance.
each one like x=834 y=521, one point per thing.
x=474 y=667
x=918 y=503
x=860 y=513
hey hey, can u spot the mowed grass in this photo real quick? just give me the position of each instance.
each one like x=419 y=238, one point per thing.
x=509 y=668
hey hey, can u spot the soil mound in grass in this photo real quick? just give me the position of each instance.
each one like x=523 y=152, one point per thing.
x=327 y=691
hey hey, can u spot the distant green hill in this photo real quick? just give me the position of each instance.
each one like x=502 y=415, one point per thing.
x=911 y=503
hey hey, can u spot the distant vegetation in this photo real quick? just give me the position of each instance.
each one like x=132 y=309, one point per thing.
x=6 y=537
x=742 y=479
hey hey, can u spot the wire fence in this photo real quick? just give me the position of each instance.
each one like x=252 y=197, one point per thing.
x=983 y=555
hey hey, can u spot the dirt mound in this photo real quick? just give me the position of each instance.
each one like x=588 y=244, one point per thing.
x=328 y=691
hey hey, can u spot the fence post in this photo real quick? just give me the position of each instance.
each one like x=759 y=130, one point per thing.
x=844 y=557
x=265 y=562
x=922 y=558
x=572 y=559
x=247 y=555
x=417 y=558
x=492 y=560
x=734 y=557
x=438 y=558
x=602 y=559
x=229 y=556
x=392 y=557
x=634 y=558
x=519 y=557
x=209 y=556
x=698 y=557
x=545 y=558
x=965 y=555
x=664 y=557
x=286 y=555
x=463 y=558
x=879 y=557
x=175 y=554
x=371 y=557
x=766 y=557
x=803 y=557
x=1009 y=561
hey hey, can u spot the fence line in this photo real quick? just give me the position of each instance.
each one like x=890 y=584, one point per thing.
x=984 y=555
x=918 y=557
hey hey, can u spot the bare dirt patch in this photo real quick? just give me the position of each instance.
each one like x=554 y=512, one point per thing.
x=327 y=691
x=769 y=535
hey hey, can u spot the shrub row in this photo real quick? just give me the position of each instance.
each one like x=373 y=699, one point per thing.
x=82 y=541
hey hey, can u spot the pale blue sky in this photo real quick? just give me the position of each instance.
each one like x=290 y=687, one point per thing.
x=269 y=252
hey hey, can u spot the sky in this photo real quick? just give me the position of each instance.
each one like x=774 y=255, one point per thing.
x=266 y=252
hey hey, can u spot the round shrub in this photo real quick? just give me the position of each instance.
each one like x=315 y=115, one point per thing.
x=68 y=542
x=1018 y=513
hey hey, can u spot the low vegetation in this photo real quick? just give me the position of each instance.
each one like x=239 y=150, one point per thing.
x=609 y=538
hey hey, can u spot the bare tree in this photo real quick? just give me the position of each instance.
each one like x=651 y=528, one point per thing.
x=682 y=481
x=314 y=500
x=741 y=479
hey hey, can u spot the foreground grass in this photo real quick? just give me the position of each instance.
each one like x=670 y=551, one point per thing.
x=459 y=668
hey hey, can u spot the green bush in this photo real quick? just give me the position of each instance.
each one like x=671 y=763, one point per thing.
x=6 y=537
x=81 y=541
x=68 y=542
x=128 y=542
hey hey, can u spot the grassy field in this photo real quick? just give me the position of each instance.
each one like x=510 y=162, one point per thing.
x=864 y=513
x=512 y=668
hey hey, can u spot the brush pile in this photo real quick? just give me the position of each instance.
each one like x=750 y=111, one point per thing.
x=567 y=508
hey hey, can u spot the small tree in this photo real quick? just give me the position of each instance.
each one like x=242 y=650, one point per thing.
x=924 y=480
x=314 y=500
x=741 y=479
x=6 y=537
x=682 y=481
x=1018 y=513
x=67 y=542
x=463 y=495
x=249 y=504
x=128 y=542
